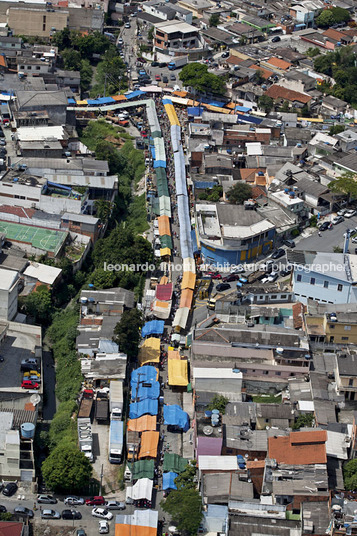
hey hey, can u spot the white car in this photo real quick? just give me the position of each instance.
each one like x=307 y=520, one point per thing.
x=350 y=213
x=102 y=513
x=72 y=500
x=103 y=527
x=342 y=212
x=354 y=240
x=114 y=505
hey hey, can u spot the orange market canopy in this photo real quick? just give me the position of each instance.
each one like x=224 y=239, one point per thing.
x=142 y=424
x=188 y=280
x=186 y=298
x=149 y=444
x=164 y=225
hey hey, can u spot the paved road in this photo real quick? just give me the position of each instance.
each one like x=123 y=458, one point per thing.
x=328 y=239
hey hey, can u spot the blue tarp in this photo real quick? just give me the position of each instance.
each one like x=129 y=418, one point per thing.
x=207 y=100
x=152 y=149
x=106 y=100
x=194 y=110
x=242 y=108
x=168 y=481
x=141 y=393
x=195 y=247
x=71 y=100
x=147 y=406
x=202 y=185
x=250 y=119
x=154 y=327
x=135 y=94
x=160 y=163
x=147 y=373
x=175 y=416
x=92 y=102
x=166 y=101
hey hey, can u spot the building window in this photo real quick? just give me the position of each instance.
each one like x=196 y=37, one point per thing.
x=298 y=277
x=331 y=326
x=325 y=284
x=273 y=297
x=278 y=373
x=312 y=281
x=339 y=288
x=344 y=338
x=266 y=372
x=347 y=328
x=283 y=296
x=350 y=382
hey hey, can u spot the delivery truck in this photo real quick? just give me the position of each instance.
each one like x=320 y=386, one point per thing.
x=178 y=62
x=102 y=407
x=85 y=438
x=116 y=400
x=116 y=436
x=132 y=445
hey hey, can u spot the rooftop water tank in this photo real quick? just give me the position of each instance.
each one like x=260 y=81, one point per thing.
x=28 y=430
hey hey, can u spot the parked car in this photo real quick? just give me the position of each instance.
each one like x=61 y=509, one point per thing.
x=71 y=514
x=114 y=505
x=29 y=384
x=230 y=277
x=273 y=277
x=103 y=527
x=337 y=219
x=349 y=213
x=325 y=225
x=165 y=79
x=214 y=275
x=162 y=65
x=10 y=489
x=2 y=509
x=225 y=54
x=238 y=270
x=157 y=77
x=222 y=286
x=95 y=501
x=102 y=513
x=276 y=39
x=289 y=243
x=81 y=532
x=50 y=514
x=30 y=361
x=154 y=64
x=285 y=272
x=341 y=212
x=241 y=461
x=354 y=240
x=74 y=501
x=172 y=76
x=23 y=511
x=46 y=499
x=278 y=253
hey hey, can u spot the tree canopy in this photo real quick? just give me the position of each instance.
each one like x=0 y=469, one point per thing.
x=266 y=103
x=38 y=304
x=346 y=184
x=341 y=66
x=185 y=508
x=334 y=15
x=66 y=469
x=196 y=75
x=127 y=332
x=214 y=19
x=239 y=193
x=350 y=474
x=218 y=402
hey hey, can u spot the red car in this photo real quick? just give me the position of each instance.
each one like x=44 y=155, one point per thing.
x=157 y=78
x=29 y=384
x=95 y=501
x=144 y=134
x=214 y=275
x=230 y=277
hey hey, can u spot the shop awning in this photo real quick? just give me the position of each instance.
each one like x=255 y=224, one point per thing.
x=175 y=416
x=142 y=489
x=173 y=354
x=166 y=241
x=189 y=265
x=164 y=292
x=154 y=327
x=142 y=469
x=177 y=370
x=148 y=445
x=168 y=480
x=137 y=409
x=164 y=252
x=162 y=309
x=181 y=317
x=150 y=351
x=142 y=424
x=186 y=298
x=164 y=225
x=119 y=97
x=174 y=463
x=188 y=280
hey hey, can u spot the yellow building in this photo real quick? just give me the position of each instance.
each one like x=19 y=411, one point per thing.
x=332 y=328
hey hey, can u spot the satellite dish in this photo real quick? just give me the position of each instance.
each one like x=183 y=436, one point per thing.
x=35 y=399
x=207 y=430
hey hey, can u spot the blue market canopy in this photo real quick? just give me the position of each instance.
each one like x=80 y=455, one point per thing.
x=175 y=416
x=168 y=480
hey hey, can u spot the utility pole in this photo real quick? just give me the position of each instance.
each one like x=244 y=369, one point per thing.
x=101 y=481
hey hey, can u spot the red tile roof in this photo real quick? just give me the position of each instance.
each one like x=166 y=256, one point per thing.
x=249 y=173
x=265 y=72
x=298 y=313
x=299 y=448
x=279 y=92
x=10 y=528
x=334 y=34
x=280 y=64
x=17 y=211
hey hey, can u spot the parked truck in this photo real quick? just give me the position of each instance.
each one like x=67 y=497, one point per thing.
x=102 y=407
x=177 y=62
x=85 y=408
x=116 y=437
x=85 y=437
x=116 y=400
x=132 y=445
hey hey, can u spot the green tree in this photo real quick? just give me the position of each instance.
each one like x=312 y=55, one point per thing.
x=214 y=19
x=325 y=19
x=266 y=103
x=111 y=73
x=151 y=34
x=62 y=39
x=239 y=193
x=86 y=75
x=285 y=107
x=258 y=76
x=346 y=184
x=350 y=474
x=127 y=333
x=242 y=40
x=218 y=402
x=103 y=209
x=71 y=59
x=186 y=479
x=304 y=421
x=336 y=129
x=6 y=516
x=312 y=52
x=185 y=509
x=66 y=469
x=103 y=278
x=196 y=75
x=38 y=304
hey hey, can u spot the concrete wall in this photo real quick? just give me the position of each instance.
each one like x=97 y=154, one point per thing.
x=36 y=22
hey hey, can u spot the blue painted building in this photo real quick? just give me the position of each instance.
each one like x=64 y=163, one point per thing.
x=229 y=234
